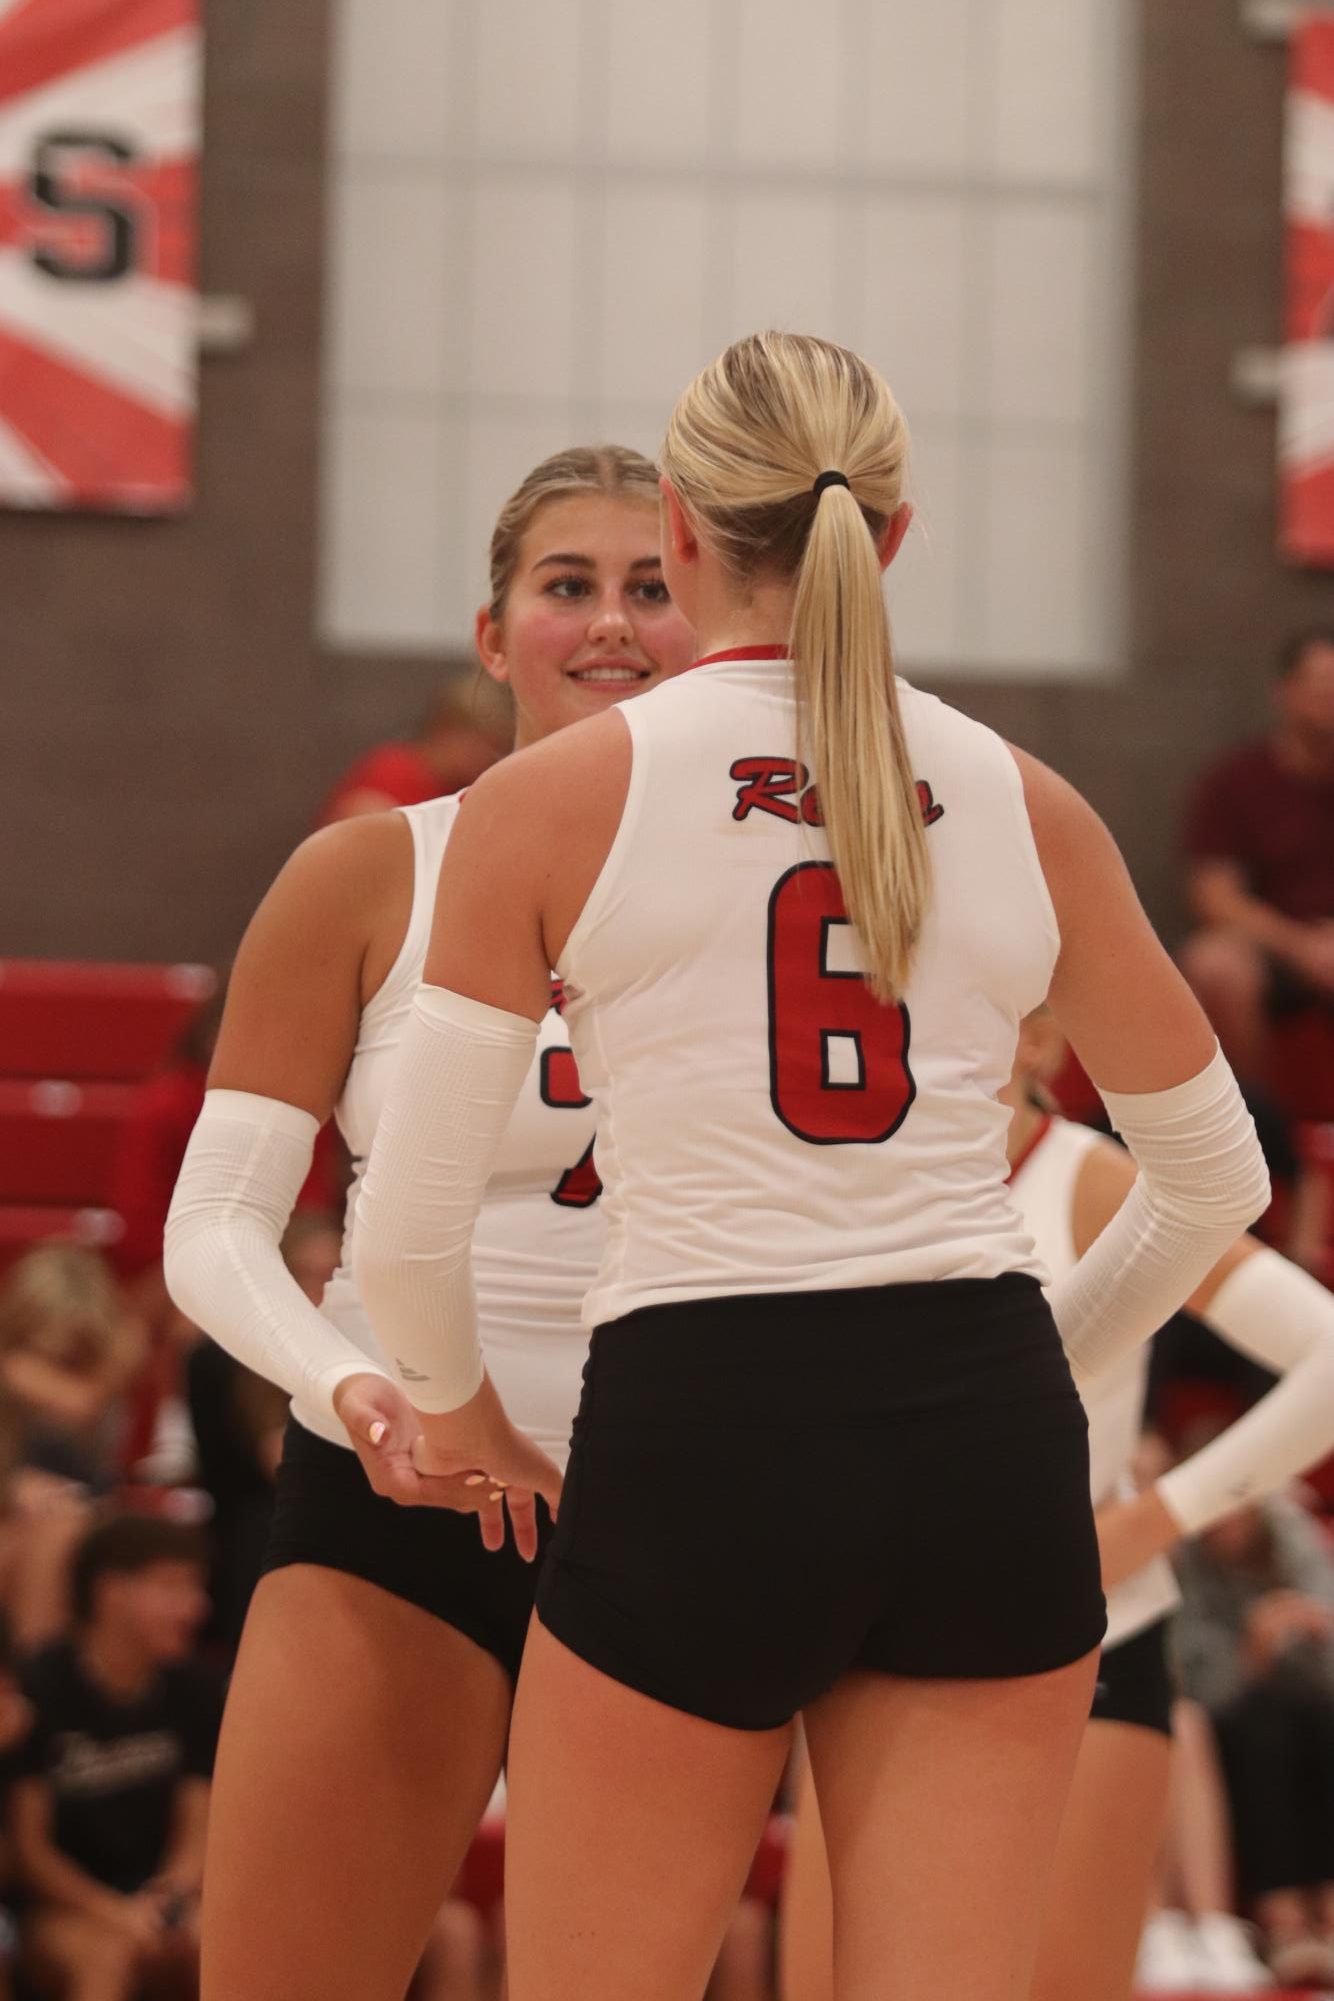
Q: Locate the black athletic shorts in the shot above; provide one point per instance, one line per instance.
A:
(1135, 1682)
(327, 1513)
(767, 1491)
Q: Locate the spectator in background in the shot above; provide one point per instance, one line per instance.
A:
(69, 1349)
(1255, 1649)
(456, 742)
(111, 1800)
(1260, 848)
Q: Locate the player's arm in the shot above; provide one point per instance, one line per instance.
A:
(293, 1007)
(531, 838)
(1146, 1043)
(1268, 1309)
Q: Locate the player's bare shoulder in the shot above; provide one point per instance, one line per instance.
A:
(558, 799)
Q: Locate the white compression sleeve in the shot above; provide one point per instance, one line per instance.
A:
(242, 1173)
(1202, 1180)
(460, 1068)
(1281, 1316)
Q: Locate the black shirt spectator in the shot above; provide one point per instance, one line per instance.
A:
(114, 1766)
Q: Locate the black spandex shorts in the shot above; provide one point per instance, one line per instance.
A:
(1135, 1682)
(767, 1491)
(327, 1513)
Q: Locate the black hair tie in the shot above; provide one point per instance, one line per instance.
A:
(830, 479)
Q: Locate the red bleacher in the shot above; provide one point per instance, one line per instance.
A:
(67, 1020)
(74, 1041)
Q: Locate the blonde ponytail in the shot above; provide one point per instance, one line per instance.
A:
(851, 735)
(745, 448)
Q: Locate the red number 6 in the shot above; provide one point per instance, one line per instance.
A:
(821, 1022)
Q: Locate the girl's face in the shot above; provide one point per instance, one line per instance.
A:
(588, 620)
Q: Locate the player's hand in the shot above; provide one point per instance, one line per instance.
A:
(383, 1428)
(504, 1469)
(1131, 1533)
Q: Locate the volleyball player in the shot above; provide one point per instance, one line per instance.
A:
(372, 1692)
(1069, 1183)
(829, 1456)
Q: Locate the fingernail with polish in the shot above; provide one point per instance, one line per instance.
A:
(378, 1430)
(474, 1480)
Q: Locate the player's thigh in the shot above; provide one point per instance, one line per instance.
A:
(361, 1742)
(941, 1803)
(631, 1827)
(1109, 1841)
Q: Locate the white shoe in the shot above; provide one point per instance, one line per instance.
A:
(1170, 1959)
(1227, 1957)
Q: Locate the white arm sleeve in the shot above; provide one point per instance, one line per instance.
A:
(1280, 1316)
(460, 1068)
(1202, 1180)
(242, 1172)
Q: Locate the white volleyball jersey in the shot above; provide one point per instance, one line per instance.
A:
(1044, 1183)
(765, 1125)
(539, 1235)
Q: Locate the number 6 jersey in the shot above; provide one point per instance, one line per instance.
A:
(539, 1234)
(764, 1124)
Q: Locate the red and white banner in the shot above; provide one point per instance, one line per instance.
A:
(99, 151)
(1306, 404)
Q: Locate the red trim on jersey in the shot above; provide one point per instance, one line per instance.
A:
(745, 653)
(1027, 1152)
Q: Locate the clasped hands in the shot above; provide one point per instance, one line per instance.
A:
(471, 1460)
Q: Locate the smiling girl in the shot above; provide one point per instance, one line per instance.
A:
(371, 1700)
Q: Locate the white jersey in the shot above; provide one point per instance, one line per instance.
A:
(800, 1135)
(539, 1235)
(1044, 1184)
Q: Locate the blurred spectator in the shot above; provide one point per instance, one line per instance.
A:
(69, 1349)
(1260, 846)
(238, 1421)
(1193, 1943)
(111, 1799)
(457, 741)
(1255, 1647)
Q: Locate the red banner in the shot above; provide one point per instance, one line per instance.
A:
(1306, 409)
(99, 149)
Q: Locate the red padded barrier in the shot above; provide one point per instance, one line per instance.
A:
(58, 1141)
(64, 1019)
(23, 1226)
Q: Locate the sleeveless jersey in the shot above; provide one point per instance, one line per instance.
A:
(765, 1125)
(539, 1234)
(1044, 1185)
